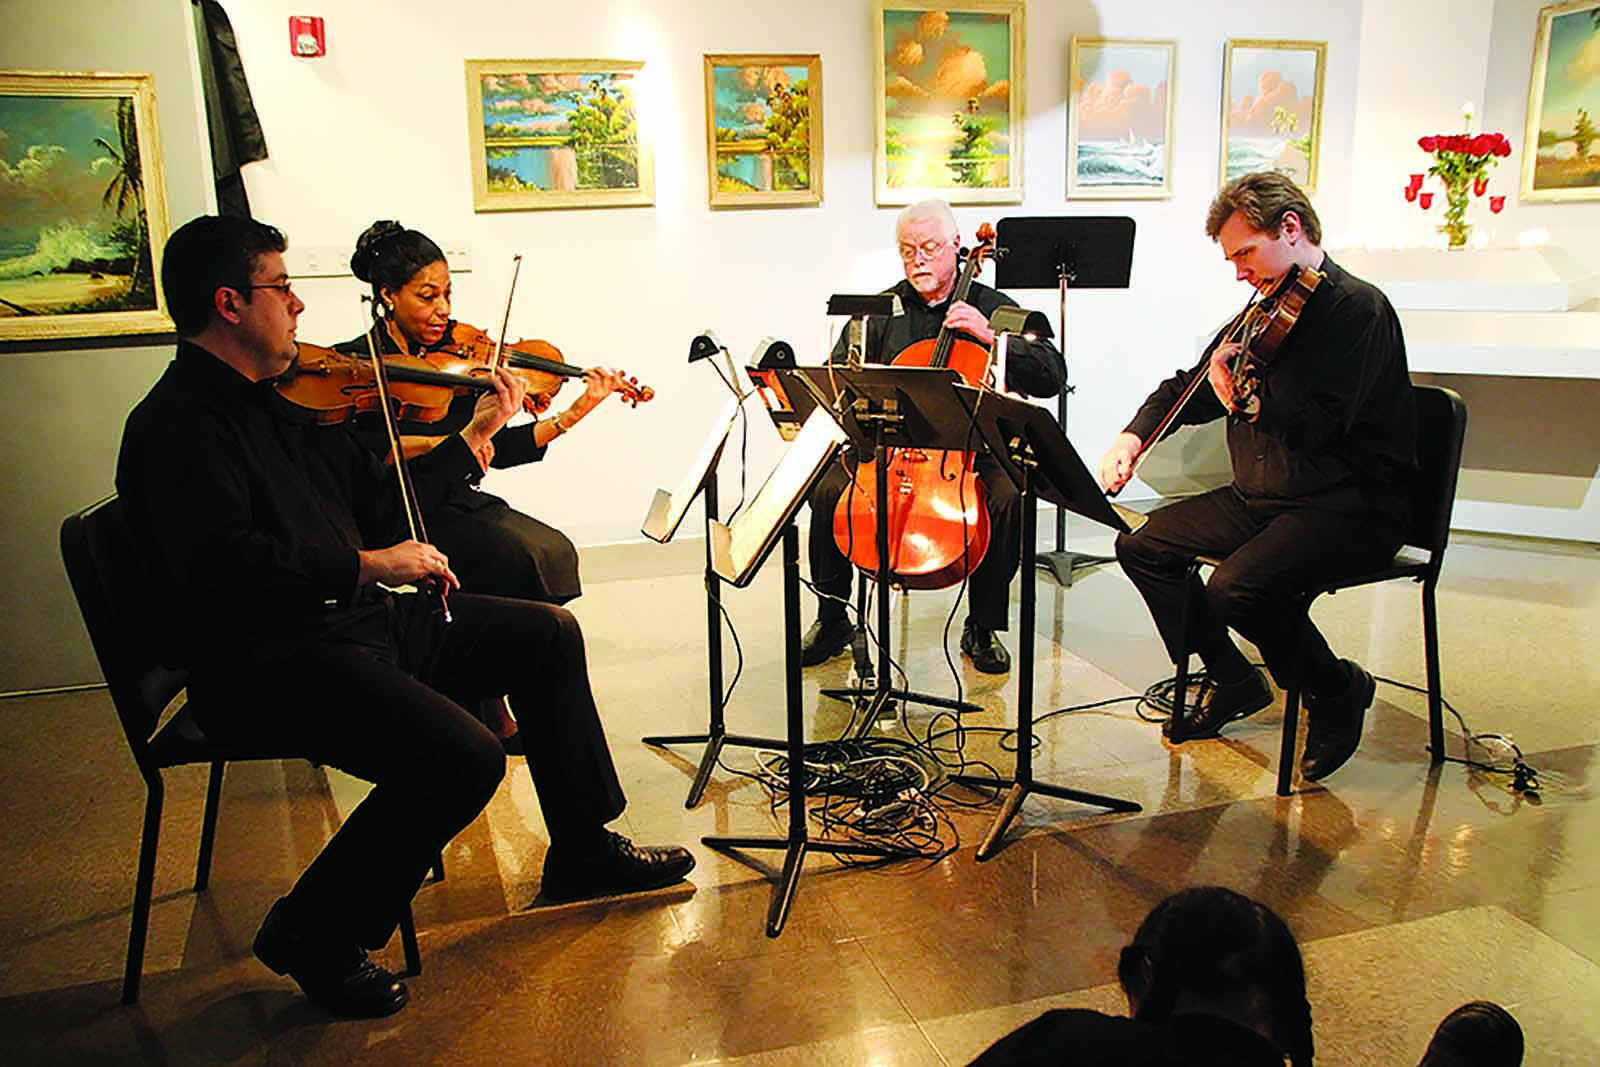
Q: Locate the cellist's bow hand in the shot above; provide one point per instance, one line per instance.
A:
(1220, 372)
(407, 563)
(494, 409)
(968, 319)
(1116, 466)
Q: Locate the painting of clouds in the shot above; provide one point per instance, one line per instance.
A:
(1272, 108)
(556, 134)
(950, 108)
(764, 130)
(83, 209)
(1119, 122)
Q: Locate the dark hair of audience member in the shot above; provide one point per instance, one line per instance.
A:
(209, 253)
(388, 255)
(1210, 947)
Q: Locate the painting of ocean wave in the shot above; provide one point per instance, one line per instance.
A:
(1119, 124)
(1113, 163)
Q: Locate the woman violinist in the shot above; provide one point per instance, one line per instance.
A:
(493, 548)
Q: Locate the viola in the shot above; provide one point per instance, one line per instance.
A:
(1260, 329)
(938, 524)
(1265, 326)
(330, 387)
(540, 364)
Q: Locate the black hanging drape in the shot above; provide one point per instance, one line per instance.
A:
(236, 136)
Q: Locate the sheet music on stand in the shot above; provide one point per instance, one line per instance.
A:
(739, 548)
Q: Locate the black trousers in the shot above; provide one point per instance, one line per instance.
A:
(496, 550)
(1274, 549)
(989, 585)
(367, 698)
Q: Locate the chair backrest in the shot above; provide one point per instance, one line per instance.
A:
(112, 582)
(1441, 430)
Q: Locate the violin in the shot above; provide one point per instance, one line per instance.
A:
(938, 522)
(540, 364)
(329, 387)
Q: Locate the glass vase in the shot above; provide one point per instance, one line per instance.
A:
(1456, 227)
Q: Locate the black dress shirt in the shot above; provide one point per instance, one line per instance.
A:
(1337, 425)
(1033, 368)
(255, 516)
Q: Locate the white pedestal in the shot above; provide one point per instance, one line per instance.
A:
(1517, 332)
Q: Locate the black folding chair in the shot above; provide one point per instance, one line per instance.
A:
(1441, 431)
(112, 584)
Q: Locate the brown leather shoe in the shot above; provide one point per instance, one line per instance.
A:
(1222, 704)
(1333, 725)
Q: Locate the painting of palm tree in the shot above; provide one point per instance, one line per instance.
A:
(83, 210)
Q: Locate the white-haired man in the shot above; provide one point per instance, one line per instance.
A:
(929, 244)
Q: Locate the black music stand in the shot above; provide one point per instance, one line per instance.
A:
(666, 512)
(741, 570)
(1057, 252)
(883, 407)
(1036, 455)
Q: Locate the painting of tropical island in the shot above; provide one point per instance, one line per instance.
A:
(1564, 163)
(556, 134)
(1120, 122)
(951, 97)
(1272, 109)
(764, 116)
(77, 229)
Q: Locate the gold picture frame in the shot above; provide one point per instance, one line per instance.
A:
(764, 130)
(557, 133)
(1120, 118)
(1268, 127)
(949, 112)
(1554, 95)
(84, 217)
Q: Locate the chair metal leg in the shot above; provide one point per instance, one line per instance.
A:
(1291, 728)
(1430, 648)
(1178, 731)
(143, 888)
(408, 943)
(208, 828)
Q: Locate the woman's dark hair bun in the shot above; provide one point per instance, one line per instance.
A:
(367, 246)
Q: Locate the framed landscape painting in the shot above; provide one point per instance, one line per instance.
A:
(1561, 151)
(764, 130)
(949, 83)
(83, 215)
(1272, 109)
(1119, 118)
(556, 133)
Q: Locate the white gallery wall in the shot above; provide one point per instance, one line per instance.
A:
(377, 129)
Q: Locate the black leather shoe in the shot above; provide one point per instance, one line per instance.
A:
(825, 640)
(1478, 1034)
(1223, 704)
(983, 646)
(618, 866)
(337, 979)
(1333, 725)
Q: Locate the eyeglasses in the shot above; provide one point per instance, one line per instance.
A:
(927, 249)
(286, 288)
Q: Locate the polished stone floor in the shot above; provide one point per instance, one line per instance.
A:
(1411, 889)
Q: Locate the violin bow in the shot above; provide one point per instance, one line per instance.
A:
(505, 321)
(408, 493)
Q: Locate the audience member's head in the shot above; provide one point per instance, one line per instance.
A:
(1478, 1034)
(1212, 951)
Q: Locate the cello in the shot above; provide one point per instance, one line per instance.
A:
(938, 522)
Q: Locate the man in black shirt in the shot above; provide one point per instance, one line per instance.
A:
(261, 526)
(929, 245)
(1323, 445)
